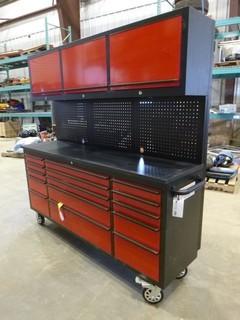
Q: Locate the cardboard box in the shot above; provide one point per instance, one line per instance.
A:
(219, 132)
(9, 129)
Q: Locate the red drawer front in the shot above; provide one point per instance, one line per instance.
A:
(39, 203)
(36, 165)
(135, 203)
(138, 258)
(37, 168)
(85, 175)
(93, 233)
(45, 73)
(158, 43)
(38, 161)
(142, 193)
(137, 232)
(97, 213)
(91, 197)
(38, 186)
(140, 217)
(84, 65)
(99, 190)
(35, 174)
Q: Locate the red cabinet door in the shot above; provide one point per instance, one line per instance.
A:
(45, 73)
(147, 56)
(85, 66)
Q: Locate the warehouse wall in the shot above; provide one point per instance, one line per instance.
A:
(102, 15)
(96, 16)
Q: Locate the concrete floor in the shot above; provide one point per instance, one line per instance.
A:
(48, 274)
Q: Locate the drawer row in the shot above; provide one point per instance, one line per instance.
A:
(87, 200)
(126, 250)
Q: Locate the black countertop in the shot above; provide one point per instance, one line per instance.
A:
(154, 171)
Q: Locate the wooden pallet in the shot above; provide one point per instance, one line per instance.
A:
(228, 63)
(11, 154)
(230, 186)
(39, 48)
(18, 53)
(10, 54)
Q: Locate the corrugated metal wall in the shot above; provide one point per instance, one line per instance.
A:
(102, 15)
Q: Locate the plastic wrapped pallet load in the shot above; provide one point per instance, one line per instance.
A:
(197, 4)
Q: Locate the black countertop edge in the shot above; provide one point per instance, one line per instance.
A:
(120, 173)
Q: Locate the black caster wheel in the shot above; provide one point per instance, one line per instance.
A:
(152, 295)
(40, 219)
(182, 274)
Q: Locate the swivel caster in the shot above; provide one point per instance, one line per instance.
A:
(182, 274)
(151, 293)
(40, 219)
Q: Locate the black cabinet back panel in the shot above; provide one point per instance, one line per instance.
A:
(169, 127)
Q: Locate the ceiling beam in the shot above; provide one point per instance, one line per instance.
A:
(69, 15)
(4, 3)
(27, 16)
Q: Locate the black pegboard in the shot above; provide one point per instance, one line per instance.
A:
(170, 128)
(112, 124)
(71, 121)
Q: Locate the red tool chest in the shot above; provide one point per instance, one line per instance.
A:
(104, 220)
(46, 73)
(85, 66)
(127, 171)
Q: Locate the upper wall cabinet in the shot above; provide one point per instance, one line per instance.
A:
(45, 73)
(166, 55)
(147, 56)
(85, 66)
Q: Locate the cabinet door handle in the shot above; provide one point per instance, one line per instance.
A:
(60, 212)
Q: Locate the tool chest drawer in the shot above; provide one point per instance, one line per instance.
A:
(32, 166)
(138, 232)
(78, 173)
(134, 190)
(79, 192)
(139, 216)
(93, 233)
(39, 203)
(36, 160)
(38, 186)
(38, 175)
(87, 208)
(136, 203)
(137, 257)
(88, 186)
